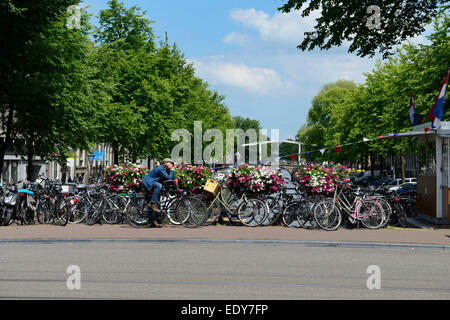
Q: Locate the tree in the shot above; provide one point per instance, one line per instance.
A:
(49, 96)
(343, 113)
(154, 90)
(348, 21)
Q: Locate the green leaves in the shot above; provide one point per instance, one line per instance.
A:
(343, 113)
(348, 19)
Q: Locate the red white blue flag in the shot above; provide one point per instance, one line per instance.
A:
(415, 119)
(438, 108)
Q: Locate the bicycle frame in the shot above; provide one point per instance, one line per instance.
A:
(221, 200)
(351, 209)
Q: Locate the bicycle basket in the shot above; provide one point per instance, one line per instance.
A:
(211, 188)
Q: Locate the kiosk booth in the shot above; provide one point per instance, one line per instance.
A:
(433, 181)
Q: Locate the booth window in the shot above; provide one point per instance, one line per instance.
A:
(427, 158)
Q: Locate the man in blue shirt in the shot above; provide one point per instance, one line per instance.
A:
(153, 178)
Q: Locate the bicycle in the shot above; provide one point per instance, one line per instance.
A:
(277, 204)
(328, 214)
(248, 209)
(302, 211)
(174, 204)
(54, 205)
(107, 208)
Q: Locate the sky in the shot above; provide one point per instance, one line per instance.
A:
(246, 51)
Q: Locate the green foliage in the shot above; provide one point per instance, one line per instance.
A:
(154, 90)
(346, 20)
(345, 113)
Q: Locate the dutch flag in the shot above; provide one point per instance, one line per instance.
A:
(415, 119)
(438, 108)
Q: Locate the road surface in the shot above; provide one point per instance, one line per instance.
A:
(215, 270)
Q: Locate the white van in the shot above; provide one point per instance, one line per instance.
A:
(397, 182)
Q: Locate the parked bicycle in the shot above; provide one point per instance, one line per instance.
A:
(328, 213)
(175, 206)
(226, 205)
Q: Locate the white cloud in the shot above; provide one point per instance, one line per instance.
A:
(236, 38)
(312, 69)
(281, 27)
(254, 80)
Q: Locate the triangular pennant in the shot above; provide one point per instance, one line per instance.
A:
(426, 129)
(365, 140)
(292, 157)
(338, 148)
(322, 151)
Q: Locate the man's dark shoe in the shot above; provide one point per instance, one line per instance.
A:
(154, 208)
(157, 224)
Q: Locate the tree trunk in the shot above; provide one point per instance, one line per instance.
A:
(366, 162)
(7, 141)
(382, 175)
(115, 153)
(30, 167)
(372, 165)
(395, 166)
(64, 171)
(403, 168)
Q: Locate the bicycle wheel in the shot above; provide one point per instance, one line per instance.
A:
(252, 212)
(79, 211)
(274, 211)
(305, 214)
(25, 213)
(213, 210)
(370, 213)
(191, 212)
(95, 213)
(387, 210)
(327, 215)
(136, 214)
(44, 212)
(399, 216)
(110, 212)
(63, 213)
(290, 215)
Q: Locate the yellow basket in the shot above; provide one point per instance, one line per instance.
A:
(211, 188)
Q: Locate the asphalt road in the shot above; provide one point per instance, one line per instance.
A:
(153, 270)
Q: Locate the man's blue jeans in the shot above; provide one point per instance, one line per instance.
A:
(156, 186)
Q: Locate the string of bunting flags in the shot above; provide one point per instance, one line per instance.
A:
(337, 149)
(435, 116)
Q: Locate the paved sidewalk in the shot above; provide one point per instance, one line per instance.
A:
(81, 231)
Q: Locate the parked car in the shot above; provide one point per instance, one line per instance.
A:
(366, 181)
(381, 182)
(404, 186)
(364, 176)
(398, 181)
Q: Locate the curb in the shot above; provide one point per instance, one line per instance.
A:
(340, 244)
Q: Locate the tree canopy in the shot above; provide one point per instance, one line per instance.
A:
(358, 22)
(343, 112)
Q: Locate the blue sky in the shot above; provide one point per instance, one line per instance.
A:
(246, 50)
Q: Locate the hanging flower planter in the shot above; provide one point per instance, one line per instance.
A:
(254, 180)
(317, 179)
